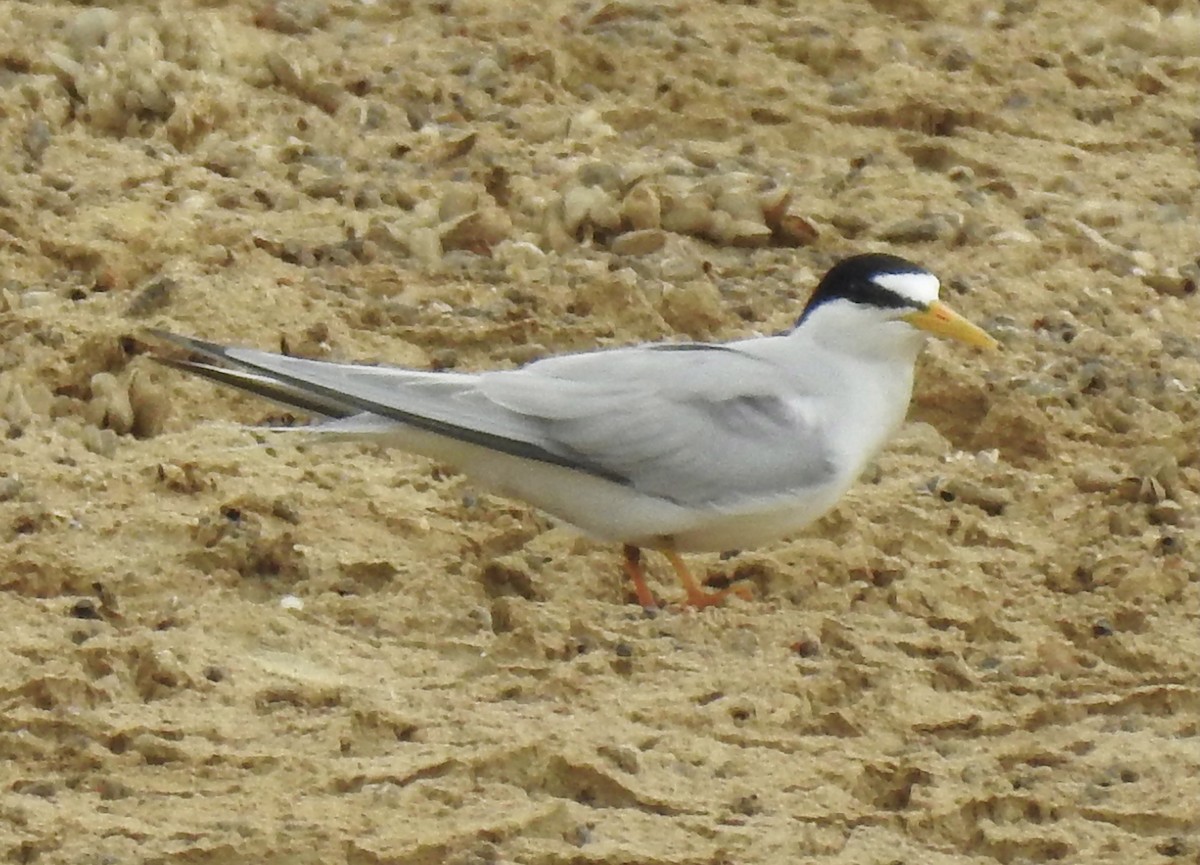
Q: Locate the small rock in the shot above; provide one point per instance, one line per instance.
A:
(487, 75)
(956, 58)
(740, 202)
(477, 232)
(1168, 513)
(641, 209)
(639, 242)
(85, 608)
(693, 214)
(1091, 479)
(1170, 282)
(731, 231)
(425, 245)
(36, 139)
(292, 16)
(10, 487)
(923, 229)
(847, 93)
(624, 757)
(291, 602)
(703, 154)
(589, 126)
(153, 297)
(586, 207)
(458, 199)
(991, 500)
(102, 442)
(606, 175)
(149, 404)
(17, 410)
(794, 229)
(89, 29)
(109, 407)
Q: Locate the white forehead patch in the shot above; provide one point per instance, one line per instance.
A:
(921, 287)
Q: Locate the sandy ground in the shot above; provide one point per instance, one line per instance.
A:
(216, 651)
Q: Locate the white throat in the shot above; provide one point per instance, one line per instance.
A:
(865, 332)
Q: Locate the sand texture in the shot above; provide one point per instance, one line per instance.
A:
(221, 646)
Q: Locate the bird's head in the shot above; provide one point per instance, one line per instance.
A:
(881, 298)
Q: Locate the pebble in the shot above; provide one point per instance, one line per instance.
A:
(66, 70)
(1168, 513)
(1170, 282)
(589, 126)
(741, 203)
(603, 174)
(639, 242)
(36, 139)
(303, 83)
(153, 297)
(518, 256)
(102, 442)
(486, 75)
(692, 214)
(89, 29)
(477, 231)
(922, 229)
(109, 406)
(704, 154)
(425, 245)
(587, 207)
(291, 602)
(641, 209)
(458, 199)
(150, 404)
(624, 757)
(10, 487)
(991, 500)
(956, 58)
(847, 93)
(795, 229)
(17, 410)
(292, 16)
(732, 231)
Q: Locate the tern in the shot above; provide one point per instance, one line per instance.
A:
(670, 446)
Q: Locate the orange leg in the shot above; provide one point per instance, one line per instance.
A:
(696, 596)
(633, 567)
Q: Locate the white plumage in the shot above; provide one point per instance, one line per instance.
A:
(677, 447)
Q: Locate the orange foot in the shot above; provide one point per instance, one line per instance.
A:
(697, 598)
(633, 567)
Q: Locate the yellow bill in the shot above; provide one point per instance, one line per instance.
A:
(941, 320)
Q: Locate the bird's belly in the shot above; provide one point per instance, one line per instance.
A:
(617, 513)
(758, 524)
(612, 512)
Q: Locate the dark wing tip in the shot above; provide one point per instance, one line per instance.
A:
(211, 360)
(190, 344)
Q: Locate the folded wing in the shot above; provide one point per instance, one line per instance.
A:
(694, 424)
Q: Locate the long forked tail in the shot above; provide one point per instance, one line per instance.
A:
(213, 361)
(362, 400)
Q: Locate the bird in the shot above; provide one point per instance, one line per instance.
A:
(677, 447)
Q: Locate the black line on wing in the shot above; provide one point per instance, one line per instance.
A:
(272, 390)
(689, 346)
(331, 396)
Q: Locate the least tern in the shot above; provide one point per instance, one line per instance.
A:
(675, 446)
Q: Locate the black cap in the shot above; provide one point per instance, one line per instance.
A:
(856, 279)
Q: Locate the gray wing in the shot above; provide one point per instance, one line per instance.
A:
(361, 399)
(696, 424)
